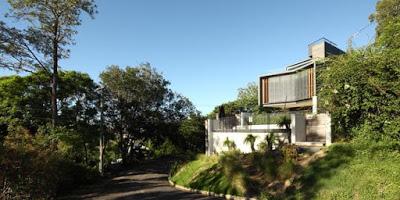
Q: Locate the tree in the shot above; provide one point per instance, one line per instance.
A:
(192, 131)
(250, 139)
(248, 97)
(138, 102)
(361, 89)
(50, 30)
(247, 100)
(284, 121)
(387, 17)
(25, 103)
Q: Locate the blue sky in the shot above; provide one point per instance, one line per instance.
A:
(208, 49)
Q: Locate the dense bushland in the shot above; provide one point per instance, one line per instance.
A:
(361, 89)
(41, 166)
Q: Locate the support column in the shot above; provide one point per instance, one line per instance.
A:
(298, 127)
(209, 137)
(328, 132)
(314, 105)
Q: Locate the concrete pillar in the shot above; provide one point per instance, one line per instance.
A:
(244, 118)
(209, 137)
(328, 132)
(298, 127)
(314, 105)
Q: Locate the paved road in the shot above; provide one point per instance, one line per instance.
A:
(146, 182)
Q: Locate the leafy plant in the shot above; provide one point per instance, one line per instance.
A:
(270, 141)
(250, 139)
(284, 121)
(230, 144)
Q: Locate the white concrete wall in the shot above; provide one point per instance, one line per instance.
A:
(298, 127)
(320, 125)
(218, 138)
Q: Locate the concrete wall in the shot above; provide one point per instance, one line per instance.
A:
(298, 127)
(318, 128)
(304, 128)
(216, 144)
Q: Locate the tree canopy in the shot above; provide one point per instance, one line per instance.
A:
(361, 89)
(48, 32)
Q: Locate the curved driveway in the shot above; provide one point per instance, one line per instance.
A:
(147, 181)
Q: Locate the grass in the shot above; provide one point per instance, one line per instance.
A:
(352, 171)
(205, 173)
(348, 171)
(233, 173)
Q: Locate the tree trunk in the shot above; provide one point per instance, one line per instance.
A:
(54, 77)
(54, 95)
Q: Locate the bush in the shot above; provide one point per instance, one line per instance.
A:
(167, 148)
(361, 91)
(229, 144)
(289, 152)
(34, 167)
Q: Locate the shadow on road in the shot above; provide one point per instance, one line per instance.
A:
(146, 181)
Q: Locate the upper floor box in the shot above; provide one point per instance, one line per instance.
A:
(296, 87)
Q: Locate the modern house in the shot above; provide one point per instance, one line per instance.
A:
(296, 88)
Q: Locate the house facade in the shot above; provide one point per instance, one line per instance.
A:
(296, 87)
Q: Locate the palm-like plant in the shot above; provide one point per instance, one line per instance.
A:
(284, 122)
(230, 144)
(251, 139)
(270, 141)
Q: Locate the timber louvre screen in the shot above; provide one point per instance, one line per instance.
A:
(290, 87)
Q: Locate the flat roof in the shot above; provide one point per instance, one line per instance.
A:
(292, 68)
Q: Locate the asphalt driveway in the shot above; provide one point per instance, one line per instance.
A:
(146, 181)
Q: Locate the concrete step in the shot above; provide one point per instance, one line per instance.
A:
(310, 144)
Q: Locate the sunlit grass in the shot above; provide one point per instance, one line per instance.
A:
(220, 175)
(353, 172)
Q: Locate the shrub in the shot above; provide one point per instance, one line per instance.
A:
(262, 147)
(250, 139)
(230, 144)
(167, 148)
(361, 91)
(286, 169)
(289, 152)
(34, 167)
(232, 168)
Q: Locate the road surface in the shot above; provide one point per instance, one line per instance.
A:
(147, 181)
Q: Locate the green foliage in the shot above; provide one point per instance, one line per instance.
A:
(229, 144)
(236, 173)
(262, 146)
(217, 174)
(143, 108)
(38, 167)
(167, 148)
(360, 89)
(50, 27)
(25, 101)
(192, 132)
(387, 17)
(247, 100)
(250, 139)
(270, 141)
(283, 121)
(266, 118)
(289, 152)
(247, 97)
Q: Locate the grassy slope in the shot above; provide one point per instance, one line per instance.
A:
(347, 172)
(353, 172)
(204, 174)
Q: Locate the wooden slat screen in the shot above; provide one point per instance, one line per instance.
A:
(287, 87)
